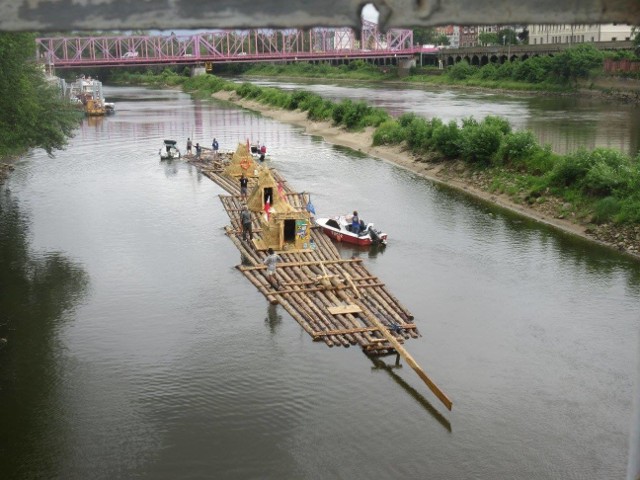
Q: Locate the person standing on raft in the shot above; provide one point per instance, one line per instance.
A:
(271, 261)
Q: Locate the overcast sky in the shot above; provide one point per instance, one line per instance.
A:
(370, 13)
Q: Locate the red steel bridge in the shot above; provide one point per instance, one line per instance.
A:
(225, 46)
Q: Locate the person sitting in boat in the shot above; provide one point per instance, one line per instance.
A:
(263, 153)
(355, 223)
(363, 227)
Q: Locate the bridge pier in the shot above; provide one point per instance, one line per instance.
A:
(405, 65)
(198, 70)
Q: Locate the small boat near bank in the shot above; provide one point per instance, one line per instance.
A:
(169, 150)
(339, 228)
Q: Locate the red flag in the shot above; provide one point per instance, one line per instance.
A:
(267, 207)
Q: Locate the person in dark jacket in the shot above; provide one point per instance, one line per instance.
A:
(245, 218)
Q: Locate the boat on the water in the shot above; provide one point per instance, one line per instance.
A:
(259, 152)
(339, 228)
(169, 151)
(88, 91)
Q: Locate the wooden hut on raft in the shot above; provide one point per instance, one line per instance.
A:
(242, 162)
(283, 227)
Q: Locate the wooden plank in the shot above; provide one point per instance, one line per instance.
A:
(340, 309)
(301, 264)
(322, 289)
(353, 285)
(346, 331)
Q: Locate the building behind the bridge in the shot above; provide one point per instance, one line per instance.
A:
(540, 34)
(581, 33)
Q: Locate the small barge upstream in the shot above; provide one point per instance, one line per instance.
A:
(335, 300)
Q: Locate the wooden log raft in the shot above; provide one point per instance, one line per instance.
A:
(335, 300)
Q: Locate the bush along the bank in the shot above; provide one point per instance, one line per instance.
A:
(602, 185)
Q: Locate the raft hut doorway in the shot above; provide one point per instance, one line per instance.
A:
(289, 230)
(267, 195)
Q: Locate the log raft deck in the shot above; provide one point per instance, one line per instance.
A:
(335, 300)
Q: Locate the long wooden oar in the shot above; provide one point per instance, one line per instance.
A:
(410, 360)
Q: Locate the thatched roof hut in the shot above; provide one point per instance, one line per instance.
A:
(282, 227)
(267, 189)
(242, 161)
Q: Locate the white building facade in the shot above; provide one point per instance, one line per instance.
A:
(580, 33)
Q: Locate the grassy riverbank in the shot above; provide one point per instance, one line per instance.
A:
(593, 193)
(462, 75)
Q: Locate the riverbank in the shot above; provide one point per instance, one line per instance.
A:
(5, 170)
(456, 175)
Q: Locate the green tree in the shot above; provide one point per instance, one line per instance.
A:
(576, 62)
(441, 39)
(424, 36)
(34, 115)
(488, 38)
(507, 36)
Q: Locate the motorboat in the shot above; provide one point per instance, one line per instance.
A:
(259, 152)
(169, 151)
(339, 228)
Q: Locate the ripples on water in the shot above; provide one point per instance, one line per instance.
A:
(165, 362)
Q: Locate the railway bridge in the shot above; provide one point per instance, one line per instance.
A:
(395, 46)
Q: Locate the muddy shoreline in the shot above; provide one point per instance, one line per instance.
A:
(625, 239)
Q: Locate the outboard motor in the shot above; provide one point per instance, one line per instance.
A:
(375, 236)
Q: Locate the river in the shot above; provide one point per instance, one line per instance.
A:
(136, 349)
(566, 123)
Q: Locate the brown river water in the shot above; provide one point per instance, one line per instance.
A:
(136, 349)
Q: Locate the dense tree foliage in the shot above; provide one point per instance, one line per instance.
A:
(424, 36)
(33, 113)
(488, 38)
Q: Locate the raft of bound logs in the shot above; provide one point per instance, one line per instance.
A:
(335, 300)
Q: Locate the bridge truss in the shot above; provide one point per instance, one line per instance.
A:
(225, 46)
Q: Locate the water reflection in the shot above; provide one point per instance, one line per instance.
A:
(273, 318)
(500, 234)
(348, 250)
(37, 293)
(170, 167)
(380, 364)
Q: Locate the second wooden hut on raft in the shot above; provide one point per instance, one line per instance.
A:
(282, 226)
